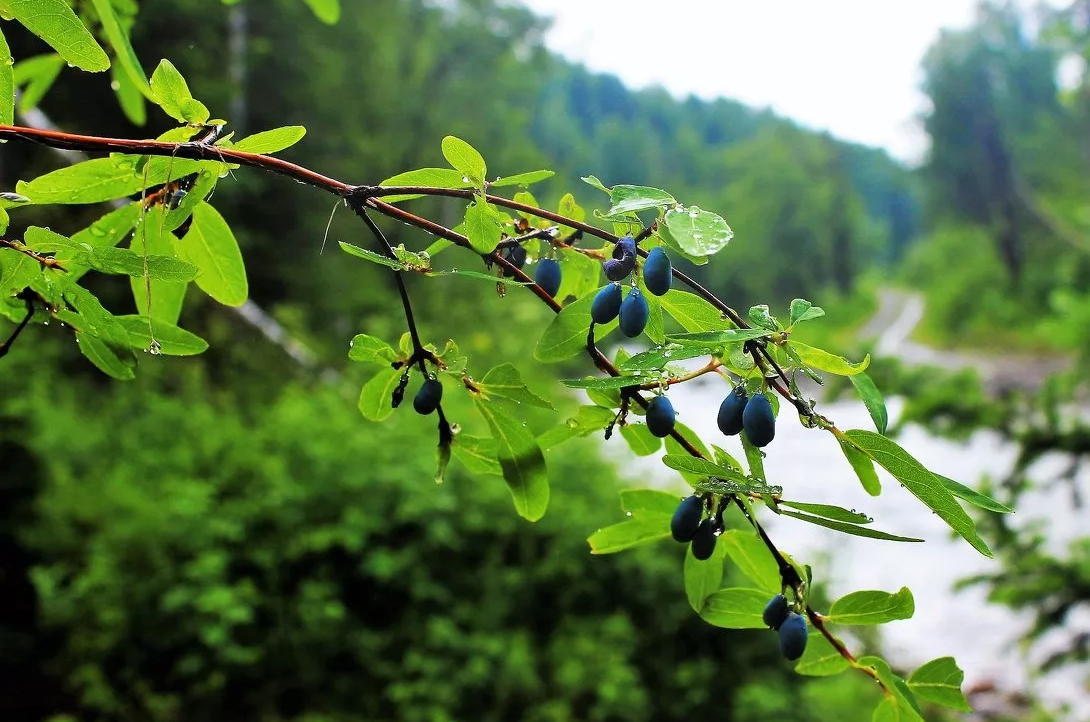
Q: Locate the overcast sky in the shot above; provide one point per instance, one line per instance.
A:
(847, 66)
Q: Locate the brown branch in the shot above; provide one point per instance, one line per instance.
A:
(370, 196)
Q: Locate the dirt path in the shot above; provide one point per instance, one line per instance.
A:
(899, 313)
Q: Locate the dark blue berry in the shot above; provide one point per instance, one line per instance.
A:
(428, 397)
(704, 540)
(548, 275)
(657, 272)
(686, 519)
(634, 312)
(660, 416)
(618, 270)
(607, 304)
(730, 411)
(758, 421)
(625, 248)
(793, 636)
(775, 612)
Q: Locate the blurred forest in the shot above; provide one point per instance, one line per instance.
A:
(227, 539)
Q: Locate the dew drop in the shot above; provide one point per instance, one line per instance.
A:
(155, 349)
(628, 513)
(114, 85)
(465, 179)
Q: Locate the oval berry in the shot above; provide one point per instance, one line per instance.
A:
(660, 416)
(625, 248)
(607, 304)
(428, 397)
(548, 275)
(775, 612)
(619, 270)
(657, 272)
(758, 421)
(793, 636)
(634, 312)
(730, 411)
(686, 519)
(704, 540)
(517, 256)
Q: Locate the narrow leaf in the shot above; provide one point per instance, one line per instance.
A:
(736, 608)
(211, 246)
(7, 84)
(702, 578)
(173, 341)
(719, 338)
(863, 466)
(924, 485)
(104, 358)
(630, 533)
(272, 141)
(852, 529)
(521, 460)
(54, 22)
(119, 41)
(973, 496)
(830, 363)
(872, 399)
(828, 511)
(872, 607)
(328, 11)
(522, 179)
(505, 382)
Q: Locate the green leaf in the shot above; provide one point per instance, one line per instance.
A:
(505, 382)
(173, 341)
(825, 361)
(371, 256)
(674, 448)
(821, 658)
(376, 396)
(167, 296)
(426, 177)
(521, 460)
(752, 557)
(595, 183)
(630, 199)
(482, 226)
(465, 159)
(939, 681)
(828, 511)
(272, 141)
(7, 84)
(852, 529)
(863, 466)
(630, 533)
(129, 97)
(104, 358)
(54, 22)
(718, 338)
(702, 578)
(653, 501)
(566, 335)
(872, 399)
(37, 75)
(696, 232)
(872, 607)
(760, 316)
(107, 259)
(587, 420)
(119, 41)
(579, 274)
(604, 382)
(907, 707)
(888, 710)
(211, 246)
(703, 467)
(656, 358)
(924, 485)
(736, 608)
(368, 349)
(92, 181)
(17, 271)
(328, 11)
(522, 179)
(93, 318)
(640, 440)
(477, 454)
(803, 310)
(693, 313)
(973, 496)
(172, 95)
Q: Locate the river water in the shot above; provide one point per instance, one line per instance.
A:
(808, 464)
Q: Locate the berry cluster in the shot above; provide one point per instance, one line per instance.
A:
(754, 415)
(688, 527)
(632, 309)
(790, 625)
